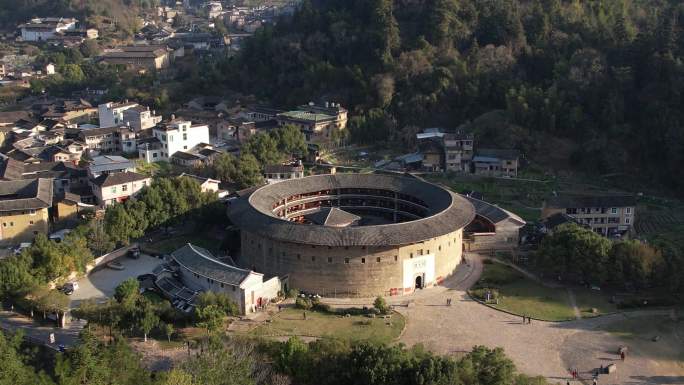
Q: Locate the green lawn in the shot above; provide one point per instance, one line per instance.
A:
(290, 322)
(169, 245)
(520, 295)
(587, 299)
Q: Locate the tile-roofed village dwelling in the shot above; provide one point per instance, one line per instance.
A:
(41, 29)
(24, 206)
(68, 206)
(171, 137)
(206, 184)
(316, 122)
(493, 228)
(279, 172)
(118, 187)
(140, 57)
(64, 175)
(199, 270)
(496, 162)
(609, 215)
(68, 111)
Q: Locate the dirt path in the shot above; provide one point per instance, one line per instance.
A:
(573, 303)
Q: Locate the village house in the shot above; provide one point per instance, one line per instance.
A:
(171, 137)
(140, 57)
(193, 269)
(112, 114)
(458, 149)
(318, 123)
(277, 172)
(41, 29)
(206, 184)
(110, 188)
(108, 164)
(24, 206)
(495, 162)
(608, 215)
(101, 139)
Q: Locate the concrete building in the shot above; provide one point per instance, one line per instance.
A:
(316, 122)
(118, 187)
(112, 114)
(101, 139)
(609, 215)
(42, 29)
(495, 162)
(408, 235)
(140, 118)
(108, 164)
(172, 137)
(458, 149)
(24, 206)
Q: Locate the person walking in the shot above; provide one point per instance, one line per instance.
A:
(622, 355)
(304, 316)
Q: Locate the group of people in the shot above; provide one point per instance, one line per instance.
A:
(575, 373)
(526, 320)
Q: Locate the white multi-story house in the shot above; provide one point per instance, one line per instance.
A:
(140, 118)
(176, 135)
(112, 114)
(118, 187)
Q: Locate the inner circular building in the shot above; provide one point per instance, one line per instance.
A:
(353, 234)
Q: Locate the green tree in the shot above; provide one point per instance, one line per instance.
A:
(128, 292)
(248, 171)
(210, 318)
(290, 140)
(381, 305)
(13, 367)
(168, 330)
(575, 250)
(118, 224)
(145, 316)
(264, 148)
(225, 168)
(98, 239)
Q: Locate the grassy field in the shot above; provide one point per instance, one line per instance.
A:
(166, 246)
(290, 322)
(523, 296)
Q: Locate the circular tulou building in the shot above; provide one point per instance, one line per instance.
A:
(353, 234)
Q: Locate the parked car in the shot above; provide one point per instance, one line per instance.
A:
(114, 265)
(145, 277)
(21, 246)
(134, 253)
(70, 287)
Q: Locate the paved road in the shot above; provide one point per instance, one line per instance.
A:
(40, 332)
(101, 284)
(541, 348)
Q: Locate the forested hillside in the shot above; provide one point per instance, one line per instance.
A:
(605, 75)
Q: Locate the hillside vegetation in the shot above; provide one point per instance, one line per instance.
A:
(604, 75)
